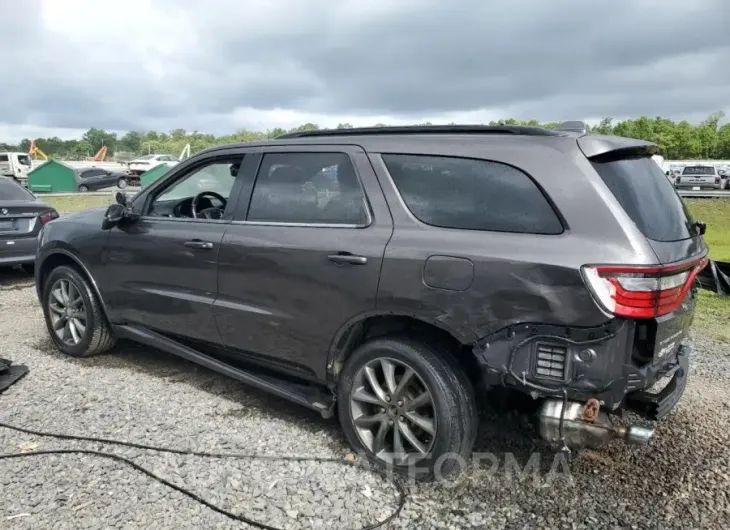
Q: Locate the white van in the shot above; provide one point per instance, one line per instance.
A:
(16, 166)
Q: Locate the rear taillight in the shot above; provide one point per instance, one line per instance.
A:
(642, 291)
(678, 180)
(717, 180)
(48, 216)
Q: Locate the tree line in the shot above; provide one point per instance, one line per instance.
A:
(678, 140)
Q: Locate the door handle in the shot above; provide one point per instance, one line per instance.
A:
(346, 257)
(199, 245)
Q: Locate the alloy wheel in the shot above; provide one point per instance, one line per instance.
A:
(393, 411)
(67, 312)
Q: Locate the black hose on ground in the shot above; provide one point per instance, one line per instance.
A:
(197, 498)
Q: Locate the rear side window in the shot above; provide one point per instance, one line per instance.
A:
(471, 194)
(11, 191)
(648, 197)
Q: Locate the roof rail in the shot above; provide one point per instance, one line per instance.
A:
(573, 126)
(425, 129)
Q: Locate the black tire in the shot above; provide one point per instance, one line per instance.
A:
(97, 337)
(453, 400)
(122, 183)
(83, 188)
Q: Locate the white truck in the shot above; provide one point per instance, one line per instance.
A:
(16, 165)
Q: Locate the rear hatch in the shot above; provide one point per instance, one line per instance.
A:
(659, 297)
(652, 203)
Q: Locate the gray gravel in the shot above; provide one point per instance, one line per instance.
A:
(681, 480)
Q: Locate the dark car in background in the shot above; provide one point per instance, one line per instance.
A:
(94, 178)
(21, 217)
(381, 274)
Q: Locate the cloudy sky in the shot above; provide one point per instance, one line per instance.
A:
(221, 65)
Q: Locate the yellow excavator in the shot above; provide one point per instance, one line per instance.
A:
(36, 153)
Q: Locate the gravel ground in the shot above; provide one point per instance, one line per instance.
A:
(680, 481)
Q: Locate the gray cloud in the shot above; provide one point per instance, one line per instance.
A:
(412, 59)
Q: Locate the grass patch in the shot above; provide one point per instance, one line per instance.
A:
(713, 311)
(716, 213)
(78, 202)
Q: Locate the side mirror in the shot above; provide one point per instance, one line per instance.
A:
(114, 215)
(119, 212)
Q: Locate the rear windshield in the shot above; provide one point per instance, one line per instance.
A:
(647, 196)
(11, 191)
(699, 170)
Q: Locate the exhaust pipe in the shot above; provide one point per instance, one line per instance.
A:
(578, 425)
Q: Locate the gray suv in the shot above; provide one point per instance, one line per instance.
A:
(385, 274)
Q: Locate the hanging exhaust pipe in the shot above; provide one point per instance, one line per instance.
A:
(578, 425)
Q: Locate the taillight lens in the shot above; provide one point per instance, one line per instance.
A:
(48, 216)
(678, 180)
(641, 291)
(717, 180)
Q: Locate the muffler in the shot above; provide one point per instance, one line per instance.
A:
(584, 425)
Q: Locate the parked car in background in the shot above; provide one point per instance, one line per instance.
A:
(94, 178)
(699, 177)
(724, 172)
(147, 162)
(380, 274)
(21, 217)
(16, 166)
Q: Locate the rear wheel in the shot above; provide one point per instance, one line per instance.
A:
(407, 407)
(122, 183)
(83, 188)
(73, 314)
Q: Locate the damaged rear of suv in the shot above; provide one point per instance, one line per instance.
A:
(381, 274)
(565, 262)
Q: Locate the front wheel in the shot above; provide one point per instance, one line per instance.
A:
(73, 314)
(407, 407)
(83, 189)
(122, 183)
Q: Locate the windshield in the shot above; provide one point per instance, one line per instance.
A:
(11, 191)
(147, 157)
(699, 170)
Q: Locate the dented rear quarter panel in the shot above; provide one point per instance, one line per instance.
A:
(516, 277)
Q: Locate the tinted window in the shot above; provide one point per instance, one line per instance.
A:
(308, 188)
(11, 191)
(647, 196)
(3, 158)
(91, 173)
(471, 194)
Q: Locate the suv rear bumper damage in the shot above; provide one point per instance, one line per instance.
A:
(656, 405)
(567, 367)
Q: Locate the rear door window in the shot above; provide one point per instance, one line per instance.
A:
(471, 194)
(647, 196)
(308, 188)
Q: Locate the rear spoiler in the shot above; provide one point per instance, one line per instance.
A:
(596, 146)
